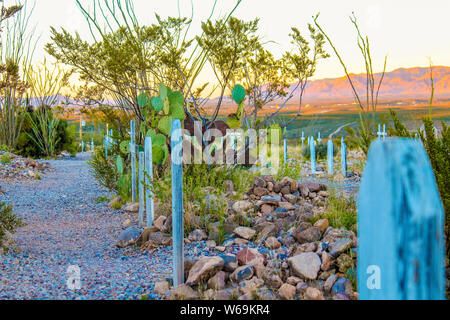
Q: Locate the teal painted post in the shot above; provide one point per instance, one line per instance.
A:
(379, 133)
(343, 157)
(133, 160)
(177, 204)
(92, 144)
(319, 139)
(400, 225)
(285, 151)
(330, 157)
(313, 156)
(303, 140)
(141, 188)
(149, 202)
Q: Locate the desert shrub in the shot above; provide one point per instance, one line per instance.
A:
(9, 222)
(340, 212)
(27, 146)
(321, 151)
(6, 158)
(103, 170)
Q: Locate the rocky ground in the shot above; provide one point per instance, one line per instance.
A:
(13, 167)
(279, 255)
(272, 251)
(65, 226)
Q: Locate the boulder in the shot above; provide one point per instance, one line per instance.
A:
(287, 292)
(128, 237)
(327, 261)
(183, 292)
(242, 273)
(305, 265)
(340, 246)
(245, 233)
(197, 235)
(230, 262)
(309, 235)
(249, 256)
(218, 281)
(313, 294)
(159, 222)
(329, 283)
(272, 243)
(131, 207)
(204, 269)
(260, 192)
(162, 287)
(322, 224)
(242, 206)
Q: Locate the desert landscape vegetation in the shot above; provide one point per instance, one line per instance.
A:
(303, 185)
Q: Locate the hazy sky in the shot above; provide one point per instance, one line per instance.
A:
(409, 31)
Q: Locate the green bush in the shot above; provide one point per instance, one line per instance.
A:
(27, 147)
(9, 222)
(340, 212)
(6, 158)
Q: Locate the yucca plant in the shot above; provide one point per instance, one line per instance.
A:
(44, 130)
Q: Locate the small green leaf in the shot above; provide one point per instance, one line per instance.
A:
(239, 94)
(159, 140)
(157, 104)
(165, 125)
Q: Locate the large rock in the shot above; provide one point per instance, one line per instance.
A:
(242, 273)
(272, 243)
(197, 235)
(245, 233)
(204, 269)
(162, 287)
(159, 222)
(287, 292)
(340, 246)
(128, 237)
(313, 294)
(260, 192)
(131, 207)
(183, 292)
(242, 206)
(230, 262)
(250, 256)
(305, 265)
(218, 281)
(322, 224)
(309, 235)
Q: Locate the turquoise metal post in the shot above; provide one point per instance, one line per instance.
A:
(285, 151)
(303, 140)
(330, 157)
(177, 203)
(400, 225)
(149, 202)
(133, 160)
(313, 156)
(92, 144)
(319, 139)
(141, 188)
(344, 157)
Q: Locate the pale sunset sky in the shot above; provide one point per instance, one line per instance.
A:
(408, 31)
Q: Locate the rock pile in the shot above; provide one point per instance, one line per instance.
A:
(279, 254)
(16, 167)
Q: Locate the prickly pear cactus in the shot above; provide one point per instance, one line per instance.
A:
(159, 111)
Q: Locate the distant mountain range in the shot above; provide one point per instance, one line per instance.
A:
(400, 84)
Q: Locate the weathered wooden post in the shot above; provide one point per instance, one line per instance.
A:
(303, 140)
(343, 157)
(133, 160)
(330, 157)
(177, 203)
(149, 202)
(313, 156)
(141, 188)
(400, 225)
(285, 151)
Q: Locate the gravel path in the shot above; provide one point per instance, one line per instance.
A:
(65, 226)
